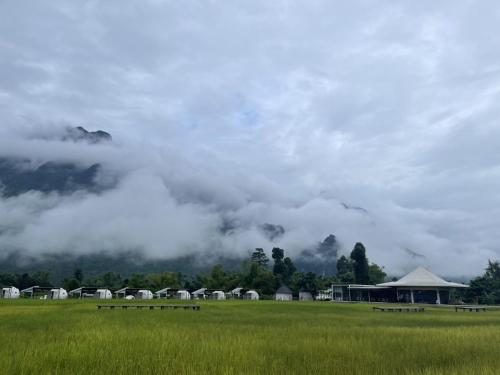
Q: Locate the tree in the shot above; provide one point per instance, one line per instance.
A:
(217, 277)
(486, 288)
(308, 281)
(360, 264)
(159, 281)
(283, 267)
(289, 270)
(138, 280)
(25, 281)
(42, 278)
(279, 266)
(259, 257)
(343, 265)
(8, 280)
(70, 284)
(111, 280)
(376, 274)
(78, 275)
(259, 278)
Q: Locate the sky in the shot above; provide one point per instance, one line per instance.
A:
(253, 112)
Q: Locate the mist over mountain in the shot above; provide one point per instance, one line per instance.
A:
(21, 175)
(322, 259)
(375, 124)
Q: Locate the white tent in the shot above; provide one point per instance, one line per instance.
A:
(218, 295)
(252, 295)
(58, 293)
(236, 293)
(200, 293)
(144, 294)
(183, 295)
(164, 293)
(103, 294)
(10, 293)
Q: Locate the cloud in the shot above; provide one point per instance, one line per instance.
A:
(260, 112)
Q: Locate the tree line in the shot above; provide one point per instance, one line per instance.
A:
(260, 273)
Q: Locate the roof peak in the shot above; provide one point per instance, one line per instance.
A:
(421, 276)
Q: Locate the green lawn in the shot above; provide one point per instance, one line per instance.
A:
(261, 337)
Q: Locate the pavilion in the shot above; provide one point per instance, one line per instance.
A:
(422, 286)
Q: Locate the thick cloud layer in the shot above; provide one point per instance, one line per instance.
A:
(259, 112)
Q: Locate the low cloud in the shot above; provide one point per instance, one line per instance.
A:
(258, 113)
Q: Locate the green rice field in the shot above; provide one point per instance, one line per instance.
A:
(244, 337)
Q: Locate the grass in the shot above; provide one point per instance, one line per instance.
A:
(244, 337)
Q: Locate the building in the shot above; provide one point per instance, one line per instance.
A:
(422, 286)
(360, 293)
(419, 286)
(10, 293)
(284, 293)
(305, 295)
(251, 295)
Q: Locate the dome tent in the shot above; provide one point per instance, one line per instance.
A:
(251, 295)
(10, 293)
(144, 294)
(103, 294)
(183, 295)
(57, 293)
(218, 295)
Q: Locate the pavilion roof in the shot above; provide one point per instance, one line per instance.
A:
(422, 277)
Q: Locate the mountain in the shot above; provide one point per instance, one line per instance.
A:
(18, 176)
(126, 263)
(272, 231)
(79, 134)
(322, 259)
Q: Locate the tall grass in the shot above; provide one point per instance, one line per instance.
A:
(233, 337)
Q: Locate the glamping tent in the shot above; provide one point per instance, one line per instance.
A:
(284, 293)
(10, 293)
(200, 293)
(218, 295)
(236, 293)
(144, 294)
(251, 295)
(36, 292)
(127, 292)
(103, 294)
(305, 295)
(57, 293)
(183, 295)
(422, 286)
(165, 293)
(90, 292)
